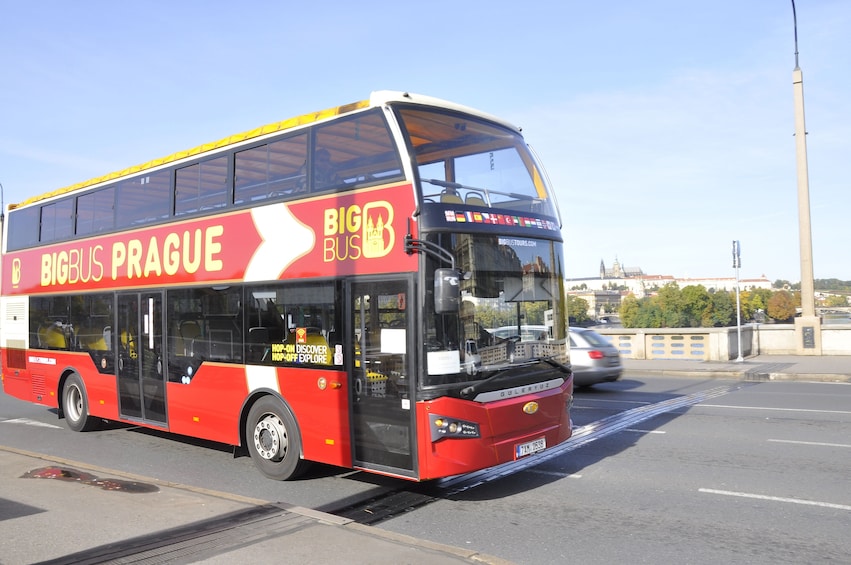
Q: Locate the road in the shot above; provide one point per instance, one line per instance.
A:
(758, 474)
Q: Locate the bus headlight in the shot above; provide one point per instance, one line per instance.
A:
(444, 427)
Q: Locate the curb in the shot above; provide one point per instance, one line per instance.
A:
(742, 375)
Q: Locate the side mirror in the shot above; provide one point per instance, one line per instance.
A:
(447, 291)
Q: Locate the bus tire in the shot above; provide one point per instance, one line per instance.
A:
(273, 439)
(75, 405)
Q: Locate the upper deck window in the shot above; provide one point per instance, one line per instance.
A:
(57, 220)
(464, 160)
(271, 170)
(354, 151)
(144, 199)
(202, 186)
(96, 211)
(23, 227)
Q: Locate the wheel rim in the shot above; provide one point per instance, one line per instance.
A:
(270, 438)
(74, 403)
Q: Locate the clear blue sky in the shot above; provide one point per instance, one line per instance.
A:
(665, 125)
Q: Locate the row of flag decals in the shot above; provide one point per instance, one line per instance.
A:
(500, 219)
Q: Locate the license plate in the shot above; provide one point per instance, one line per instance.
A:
(524, 449)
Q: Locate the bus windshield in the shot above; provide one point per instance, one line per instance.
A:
(462, 160)
(510, 317)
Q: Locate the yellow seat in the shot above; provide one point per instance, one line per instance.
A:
(450, 197)
(476, 200)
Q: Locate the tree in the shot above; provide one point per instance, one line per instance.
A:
(577, 309)
(629, 311)
(697, 305)
(781, 306)
(671, 307)
(759, 299)
(723, 310)
(835, 300)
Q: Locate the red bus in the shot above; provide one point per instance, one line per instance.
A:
(322, 289)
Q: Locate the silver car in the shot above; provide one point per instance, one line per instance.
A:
(593, 358)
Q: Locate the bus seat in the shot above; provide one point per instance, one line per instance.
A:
(476, 199)
(91, 339)
(189, 329)
(52, 336)
(449, 196)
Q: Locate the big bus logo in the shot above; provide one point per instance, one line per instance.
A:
(16, 271)
(352, 232)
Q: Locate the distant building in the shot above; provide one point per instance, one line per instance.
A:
(618, 272)
(620, 281)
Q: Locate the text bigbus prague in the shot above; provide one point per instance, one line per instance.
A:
(327, 288)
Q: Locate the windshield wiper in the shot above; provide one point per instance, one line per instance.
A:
(469, 391)
(553, 363)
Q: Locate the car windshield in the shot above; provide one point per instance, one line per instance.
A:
(510, 317)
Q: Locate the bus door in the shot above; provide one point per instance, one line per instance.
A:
(381, 406)
(138, 343)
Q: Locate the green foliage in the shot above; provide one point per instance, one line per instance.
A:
(835, 300)
(535, 312)
(723, 310)
(832, 284)
(629, 311)
(697, 306)
(577, 309)
(694, 306)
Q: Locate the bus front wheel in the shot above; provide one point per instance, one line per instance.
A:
(75, 405)
(273, 440)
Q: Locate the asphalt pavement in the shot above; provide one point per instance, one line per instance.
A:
(60, 511)
(823, 368)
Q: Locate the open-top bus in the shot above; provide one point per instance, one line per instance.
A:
(318, 289)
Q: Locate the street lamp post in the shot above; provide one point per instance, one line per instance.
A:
(737, 264)
(808, 325)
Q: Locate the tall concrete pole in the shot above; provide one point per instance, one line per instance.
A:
(808, 325)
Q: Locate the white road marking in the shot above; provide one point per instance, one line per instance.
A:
(637, 431)
(776, 498)
(776, 409)
(28, 422)
(818, 443)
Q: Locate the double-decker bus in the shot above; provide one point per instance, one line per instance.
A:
(322, 289)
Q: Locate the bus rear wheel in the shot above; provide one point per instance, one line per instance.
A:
(273, 440)
(75, 405)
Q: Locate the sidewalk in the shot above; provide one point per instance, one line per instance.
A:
(823, 368)
(66, 512)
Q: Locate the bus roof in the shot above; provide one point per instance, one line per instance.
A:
(377, 98)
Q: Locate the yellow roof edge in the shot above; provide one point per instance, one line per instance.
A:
(230, 140)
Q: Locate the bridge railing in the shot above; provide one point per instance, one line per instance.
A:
(720, 344)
